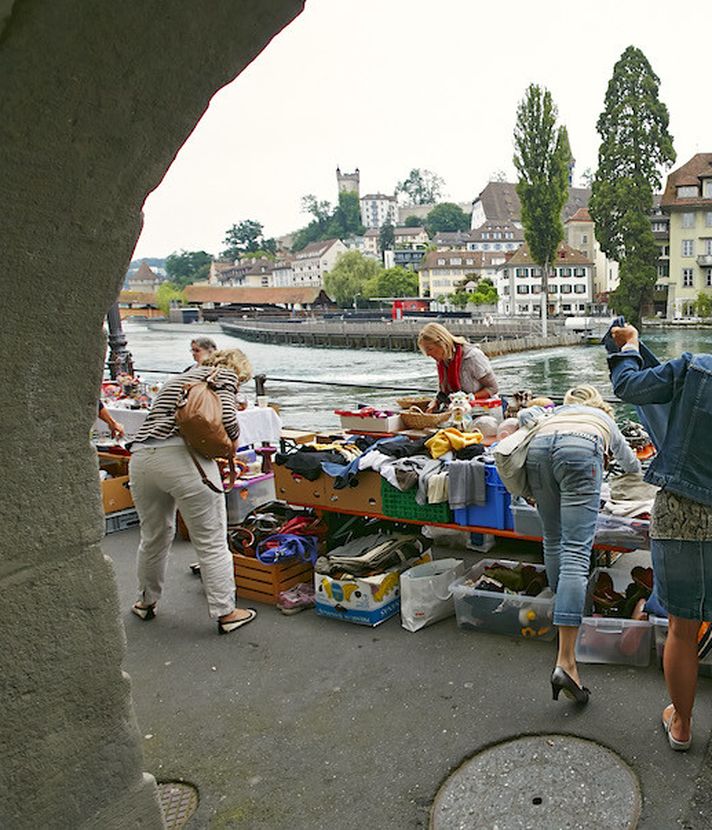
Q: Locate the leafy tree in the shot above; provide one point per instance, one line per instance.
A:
(328, 222)
(387, 237)
(485, 293)
(420, 187)
(586, 177)
(246, 238)
(542, 157)
(635, 146)
(186, 267)
(703, 305)
(347, 279)
(392, 282)
(446, 216)
(413, 221)
(167, 294)
(459, 298)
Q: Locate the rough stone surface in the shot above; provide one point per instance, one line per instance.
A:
(96, 99)
(540, 782)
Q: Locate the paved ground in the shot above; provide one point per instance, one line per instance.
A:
(301, 722)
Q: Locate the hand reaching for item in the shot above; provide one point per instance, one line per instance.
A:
(625, 334)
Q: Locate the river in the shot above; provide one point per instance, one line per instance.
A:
(545, 372)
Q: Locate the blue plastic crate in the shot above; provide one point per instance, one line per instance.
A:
(495, 513)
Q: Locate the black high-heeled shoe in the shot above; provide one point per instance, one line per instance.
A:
(562, 681)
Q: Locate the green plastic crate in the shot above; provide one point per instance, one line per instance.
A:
(399, 505)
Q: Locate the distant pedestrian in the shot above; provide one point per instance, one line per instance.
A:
(675, 401)
(462, 366)
(163, 476)
(201, 348)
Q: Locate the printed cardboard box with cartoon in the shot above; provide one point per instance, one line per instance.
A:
(367, 601)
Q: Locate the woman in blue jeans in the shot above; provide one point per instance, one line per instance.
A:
(674, 400)
(564, 469)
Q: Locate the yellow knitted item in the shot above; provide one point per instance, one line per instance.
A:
(451, 439)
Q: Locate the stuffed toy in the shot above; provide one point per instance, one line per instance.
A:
(460, 416)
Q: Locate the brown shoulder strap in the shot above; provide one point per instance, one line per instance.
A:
(231, 466)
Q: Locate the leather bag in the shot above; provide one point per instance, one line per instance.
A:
(199, 420)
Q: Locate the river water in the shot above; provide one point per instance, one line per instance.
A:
(545, 372)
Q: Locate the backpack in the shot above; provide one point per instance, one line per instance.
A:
(199, 421)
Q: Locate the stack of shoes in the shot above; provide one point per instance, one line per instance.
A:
(297, 598)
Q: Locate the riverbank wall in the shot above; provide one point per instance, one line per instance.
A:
(398, 336)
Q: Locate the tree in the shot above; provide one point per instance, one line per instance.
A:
(386, 237)
(459, 298)
(635, 147)
(446, 216)
(703, 305)
(541, 158)
(167, 294)
(586, 177)
(246, 238)
(392, 282)
(328, 222)
(347, 279)
(413, 221)
(186, 267)
(485, 293)
(420, 187)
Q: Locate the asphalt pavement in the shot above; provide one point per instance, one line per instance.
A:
(304, 722)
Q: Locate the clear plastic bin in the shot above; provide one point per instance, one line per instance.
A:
(247, 494)
(609, 639)
(622, 532)
(526, 519)
(528, 618)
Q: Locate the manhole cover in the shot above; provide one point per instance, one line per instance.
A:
(179, 801)
(542, 782)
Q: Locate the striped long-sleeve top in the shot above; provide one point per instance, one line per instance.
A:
(161, 420)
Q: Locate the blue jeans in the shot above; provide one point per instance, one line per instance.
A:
(564, 471)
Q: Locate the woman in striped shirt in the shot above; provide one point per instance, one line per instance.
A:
(164, 477)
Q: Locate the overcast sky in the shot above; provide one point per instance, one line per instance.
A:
(388, 85)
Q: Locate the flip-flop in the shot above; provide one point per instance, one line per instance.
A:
(144, 612)
(678, 746)
(233, 625)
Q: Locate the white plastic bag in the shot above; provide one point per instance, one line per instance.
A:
(425, 597)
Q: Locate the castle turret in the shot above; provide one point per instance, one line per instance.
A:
(348, 182)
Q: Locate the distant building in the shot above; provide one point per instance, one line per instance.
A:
(443, 272)
(451, 240)
(247, 271)
(661, 232)
(687, 200)
(313, 262)
(377, 210)
(410, 236)
(348, 182)
(371, 242)
(499, 202)
(282, 273)
(519, 282)
(579, 233)
(145, 280)
(495, 236)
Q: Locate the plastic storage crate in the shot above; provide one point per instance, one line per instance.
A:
(526, 519)
(609, 639)
(402, 505)
(247, 494)
(121, 520)
(495, 513)
(528, 618)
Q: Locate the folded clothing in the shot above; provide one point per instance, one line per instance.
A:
(370, 555)
(467, 483)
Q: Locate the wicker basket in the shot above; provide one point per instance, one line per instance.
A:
(415, 418)
(421, 402)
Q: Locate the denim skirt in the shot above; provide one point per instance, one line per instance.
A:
(683, 577)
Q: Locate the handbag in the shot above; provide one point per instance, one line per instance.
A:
(199, 420)
(425, 594)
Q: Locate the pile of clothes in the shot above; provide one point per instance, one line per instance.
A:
(499, 578)
(371, 555)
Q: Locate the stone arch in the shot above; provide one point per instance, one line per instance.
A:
(96, 98)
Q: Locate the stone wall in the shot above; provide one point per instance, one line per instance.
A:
(96, 98)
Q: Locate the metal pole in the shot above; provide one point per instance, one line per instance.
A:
(120, 359)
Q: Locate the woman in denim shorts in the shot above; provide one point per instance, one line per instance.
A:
(675, 401)
(564, 469)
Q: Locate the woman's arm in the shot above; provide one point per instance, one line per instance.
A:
(622, 451)
(634, 384)
(115, 428)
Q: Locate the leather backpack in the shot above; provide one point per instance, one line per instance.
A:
(200, 423)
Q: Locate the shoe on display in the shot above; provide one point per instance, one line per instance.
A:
(297, 598)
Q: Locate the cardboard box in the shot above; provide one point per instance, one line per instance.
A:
(391, 423)
(367, 601)
(263, 583)
(295, 489)
(365, 497)
(115, 493)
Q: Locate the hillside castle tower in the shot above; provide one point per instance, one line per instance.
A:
(348, 182)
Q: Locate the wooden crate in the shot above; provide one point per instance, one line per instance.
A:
(263, 583)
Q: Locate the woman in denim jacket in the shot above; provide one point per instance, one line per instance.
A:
(675, 402)
(564, 471)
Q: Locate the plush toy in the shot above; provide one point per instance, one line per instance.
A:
(460, 416)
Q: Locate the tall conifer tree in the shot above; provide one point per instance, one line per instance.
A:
(542, 157)
(635, 147)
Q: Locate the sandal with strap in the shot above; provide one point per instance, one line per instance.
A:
(233, 625)
(678, 746)
(144, 612)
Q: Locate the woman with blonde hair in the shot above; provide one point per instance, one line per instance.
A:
(564, 468)
(164, 477)
(462, 367)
